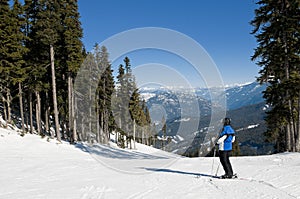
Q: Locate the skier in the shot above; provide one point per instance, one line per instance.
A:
(225, 141)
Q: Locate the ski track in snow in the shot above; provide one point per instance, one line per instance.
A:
(263, 193)
(32, 167)
(141, 194)
(93, 192)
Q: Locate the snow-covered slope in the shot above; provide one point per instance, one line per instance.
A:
(32, 167)
(244, 95)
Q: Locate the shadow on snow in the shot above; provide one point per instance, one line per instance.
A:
(115, 153)
(179, 172)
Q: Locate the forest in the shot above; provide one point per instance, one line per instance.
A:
(41, 56)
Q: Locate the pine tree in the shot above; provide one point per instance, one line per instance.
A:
(129, 113)
(71, 56)
(276, 27)
(236, 149)
(135, 113)
(18, 51)
(34, 59)
(6, 33)
(45, 35)
(12, 51)
(105, 91)
(86, 82)
(147, 123)
(119, 106)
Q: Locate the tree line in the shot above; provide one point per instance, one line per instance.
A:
(277, 31)
(41, 56)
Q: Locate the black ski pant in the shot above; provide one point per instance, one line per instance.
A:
(224, 158)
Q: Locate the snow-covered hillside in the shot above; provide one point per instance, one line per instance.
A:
(244, 95)
(32, 167)
(237, 96)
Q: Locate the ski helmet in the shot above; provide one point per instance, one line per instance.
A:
(227, 121)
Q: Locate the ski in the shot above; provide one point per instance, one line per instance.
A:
(234, 176)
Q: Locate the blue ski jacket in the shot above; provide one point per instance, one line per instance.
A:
(226, 139)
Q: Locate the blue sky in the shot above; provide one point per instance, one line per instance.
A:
(221, 27)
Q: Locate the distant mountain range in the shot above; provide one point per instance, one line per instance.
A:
(183, 108)
(244, 95)
(180, 103)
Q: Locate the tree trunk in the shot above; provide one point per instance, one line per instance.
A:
(70, 104)
(4, 110)
(90, 107)
(47, 113)
(298, 127)
(134, 147)
(30, 113)
(21, 107)
(106, 129)
(83, 132)
(293, 132)
(105, 115)
(116, 137)
(98, 127)
(289, 132)
(103, 140)
(8, 102)
(38, 112)
(26, 114)
(143, 136)
(120, 124)
(54, 94)
(73, 116)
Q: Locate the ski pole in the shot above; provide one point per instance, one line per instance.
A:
(212, 166)
(217, 169)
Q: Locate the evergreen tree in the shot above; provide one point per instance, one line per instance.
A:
(130, 113)
(147, 123)
(135, 113)
(236, 148)
(86, 82)
(6, 33)
(37, 59)
(12, 51)
(276, 27)
(71, 57)
(18, 50)
(119, 106)
(105, 91)
(45, 35)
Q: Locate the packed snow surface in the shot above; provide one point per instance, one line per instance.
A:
(32, 167)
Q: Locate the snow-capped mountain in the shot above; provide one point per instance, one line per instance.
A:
(183, 109)
(236, 96)
(175, 104)
(244, 95)
(194, 103)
